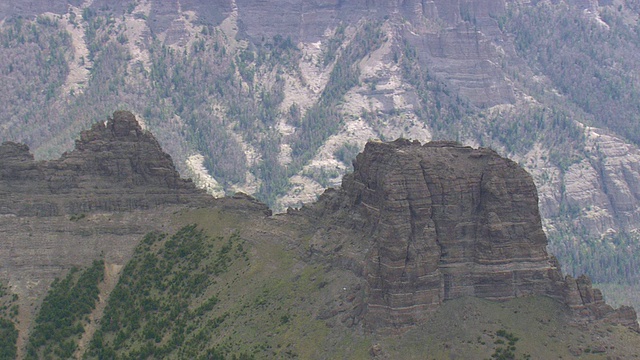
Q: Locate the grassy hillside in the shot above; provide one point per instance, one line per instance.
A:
(230, 285)
(525, 328)
(210, 292)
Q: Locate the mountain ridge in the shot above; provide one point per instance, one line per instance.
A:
(385, 241)
(118, 151)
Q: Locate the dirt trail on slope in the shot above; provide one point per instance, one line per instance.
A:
(111, 276)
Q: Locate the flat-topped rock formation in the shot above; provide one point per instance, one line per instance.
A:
(441, 221)
(115, 166)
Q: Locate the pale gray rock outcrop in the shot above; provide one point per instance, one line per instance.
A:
(602, 192)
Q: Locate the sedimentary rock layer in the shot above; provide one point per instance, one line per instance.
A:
(416, 224)
(444, 221)
(115, 166)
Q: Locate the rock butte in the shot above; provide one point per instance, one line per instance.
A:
(440, 221)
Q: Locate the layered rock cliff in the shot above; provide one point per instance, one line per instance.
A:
(442, 70)
(441, 221)
(115, 166)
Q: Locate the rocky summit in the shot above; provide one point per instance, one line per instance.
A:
(115, 166)
(442, 221)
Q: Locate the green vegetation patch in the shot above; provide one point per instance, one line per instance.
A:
(8, 339)
(212, 291)
(8, 331)
(507, 346)
(580, 70)
(160, 307)
(60, 322)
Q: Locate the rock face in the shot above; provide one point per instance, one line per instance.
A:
(444, 221)
(115, 166)
(607, 184)
(461, 54)
(589, 304)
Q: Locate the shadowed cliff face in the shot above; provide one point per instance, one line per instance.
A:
(442, 221)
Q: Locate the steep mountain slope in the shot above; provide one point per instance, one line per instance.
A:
(276, 98)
